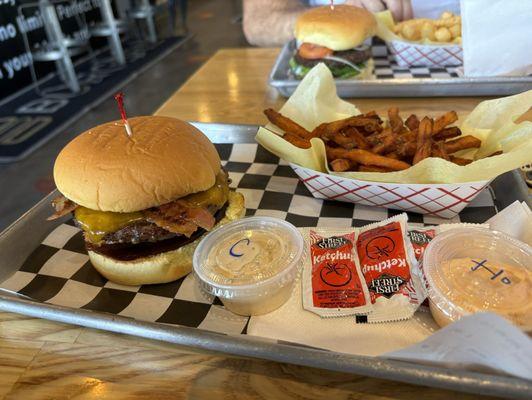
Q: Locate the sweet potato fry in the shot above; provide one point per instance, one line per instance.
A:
(406, 149)
(404, 130)
(371, 168)
(286, 124)
(374, 115)
(462, 143)
(446, 119)
(340, 165)
(439, 151)
(424, 142)
(387, 144)
(447, 133)
(357, 137)
(364, 143)
(341, 139)
(296, 140)
(460, 160)
(393, 155)
(376, 138)
(396, 122)
(367, 158)
(368, 125)
(412, 122)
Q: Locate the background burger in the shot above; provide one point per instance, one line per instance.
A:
(143, 202)
(334, 36)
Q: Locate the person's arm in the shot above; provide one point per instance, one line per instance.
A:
(270, 22)
(434, 8)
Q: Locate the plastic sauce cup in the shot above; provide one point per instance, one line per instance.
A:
(474, 269)
(250, 264)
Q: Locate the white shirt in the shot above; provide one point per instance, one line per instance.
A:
(420, 8)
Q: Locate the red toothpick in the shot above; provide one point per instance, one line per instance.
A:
(119, 97)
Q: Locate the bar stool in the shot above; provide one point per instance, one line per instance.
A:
(144, 11)
(58, 48)
(111, 28)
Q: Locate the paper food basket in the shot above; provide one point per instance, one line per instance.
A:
(408, 54)
(417, 54)
(440, 200)
(433, 186)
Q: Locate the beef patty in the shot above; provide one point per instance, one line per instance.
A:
(140, 232)
(166, 241)
(353, 56)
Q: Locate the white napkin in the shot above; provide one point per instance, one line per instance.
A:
(496, 37)
(292, 323)
(515, 220)
(481, 342)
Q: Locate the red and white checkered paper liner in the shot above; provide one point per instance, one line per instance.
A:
(443, 200)
(408, 54)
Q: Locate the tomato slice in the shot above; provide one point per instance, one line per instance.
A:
(313, 52)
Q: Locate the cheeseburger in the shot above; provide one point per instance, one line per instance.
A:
(143, 202)
(334, 36)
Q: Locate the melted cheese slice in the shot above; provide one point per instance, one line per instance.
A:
(97, 224)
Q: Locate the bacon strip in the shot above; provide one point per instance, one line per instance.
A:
(179, 217)
(63, 206)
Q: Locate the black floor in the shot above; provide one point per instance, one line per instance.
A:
(213, 23)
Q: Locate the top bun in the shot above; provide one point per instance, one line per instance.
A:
(165, 159)
(340, 28)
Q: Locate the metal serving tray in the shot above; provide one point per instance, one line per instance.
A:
(19, 239)
(282, 79)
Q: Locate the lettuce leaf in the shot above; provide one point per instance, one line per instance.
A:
(344, 72)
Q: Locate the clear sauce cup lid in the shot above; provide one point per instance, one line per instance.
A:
(475, 269)
(248, 257)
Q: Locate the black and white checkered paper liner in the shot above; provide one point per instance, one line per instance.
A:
(386, 67)
(59, 272)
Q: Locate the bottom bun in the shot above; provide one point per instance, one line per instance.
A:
(163, 267)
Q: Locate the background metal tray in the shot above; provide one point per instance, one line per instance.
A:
(18, 240)
(281, 79)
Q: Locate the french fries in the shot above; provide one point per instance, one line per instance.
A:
(460, 160)
(439, 151)
(340, 165)
(424, 144)
(367, 158)
(446, 119)
(446, 29)
(447, 133)
(286, 124)
(462, 143)
(366, 143)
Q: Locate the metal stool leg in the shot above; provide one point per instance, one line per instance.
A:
(55, 34)
(150, 23)
(114, 39)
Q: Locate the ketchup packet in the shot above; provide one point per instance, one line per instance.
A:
(421, 237)
(390, 269)
(332, 283)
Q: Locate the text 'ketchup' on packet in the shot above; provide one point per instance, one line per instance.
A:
(390, 269)
(333, 285)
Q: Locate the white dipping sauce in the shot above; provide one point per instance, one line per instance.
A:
(246, 257)
(251, 264)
